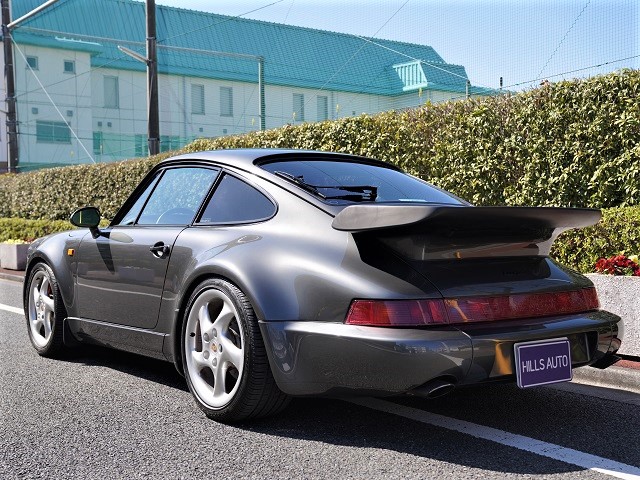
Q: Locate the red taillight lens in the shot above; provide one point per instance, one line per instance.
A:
(470, 309)
(396, 312)
(525, 305)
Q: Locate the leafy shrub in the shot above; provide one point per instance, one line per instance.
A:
(618, 232)
(28, 230)
(54, 193)
(572, 143)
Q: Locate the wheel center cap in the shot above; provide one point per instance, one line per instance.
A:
(214, 347)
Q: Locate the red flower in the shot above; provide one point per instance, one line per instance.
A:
(618, 265)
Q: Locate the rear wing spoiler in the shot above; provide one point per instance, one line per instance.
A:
(437, 231)
(359, 218)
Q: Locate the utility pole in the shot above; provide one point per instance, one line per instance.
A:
(153, 120)
(263, 120)
(9, 81)
(9, 77)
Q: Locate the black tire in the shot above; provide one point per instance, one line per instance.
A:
(241, 377)
(44, 311)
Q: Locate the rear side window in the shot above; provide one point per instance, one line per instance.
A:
(339, 182)
(234, 201)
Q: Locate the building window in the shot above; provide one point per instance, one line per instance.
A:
(69, 66)
(32, 63)
(52, 132)
(141, 145)
(197, 99)
(323, 108)
(170, 142)
(97, 143)
(226, 102)
(298, 107)
(111, 94)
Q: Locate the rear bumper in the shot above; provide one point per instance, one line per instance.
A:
(315, 358)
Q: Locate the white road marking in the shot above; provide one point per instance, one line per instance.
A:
(549, 450)
(11, 309)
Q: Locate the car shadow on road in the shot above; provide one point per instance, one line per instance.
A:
(151, 369)
(554, 416)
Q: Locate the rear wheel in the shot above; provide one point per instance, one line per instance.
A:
(45, 311)
(224, 357)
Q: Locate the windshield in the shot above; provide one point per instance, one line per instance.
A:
(339, 182)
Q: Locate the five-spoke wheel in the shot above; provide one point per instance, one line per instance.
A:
(223, 355)
(44, 310)
(214, 348)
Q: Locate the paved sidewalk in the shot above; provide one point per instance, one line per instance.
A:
(15, 275)
(624, 375)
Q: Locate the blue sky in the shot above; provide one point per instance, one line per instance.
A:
(521, 41)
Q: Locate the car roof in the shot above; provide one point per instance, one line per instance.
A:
(250, 159)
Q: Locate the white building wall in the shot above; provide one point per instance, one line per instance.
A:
(110, 133)
(117, 126)
(67, 99)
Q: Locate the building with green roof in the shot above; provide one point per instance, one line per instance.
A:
(81, 99)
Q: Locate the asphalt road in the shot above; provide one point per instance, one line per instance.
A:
(106, 414)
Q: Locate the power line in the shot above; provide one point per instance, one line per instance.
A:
(51, 99)
(321, 89)
(565, 36)
(289, 11)
(572, 71)
(218, 23)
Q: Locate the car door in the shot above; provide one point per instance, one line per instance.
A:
(121, 272)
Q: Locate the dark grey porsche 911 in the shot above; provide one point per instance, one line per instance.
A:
(268, 273)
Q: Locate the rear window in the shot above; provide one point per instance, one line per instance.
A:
(339, 182)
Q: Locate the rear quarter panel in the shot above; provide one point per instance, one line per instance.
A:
(292, 267)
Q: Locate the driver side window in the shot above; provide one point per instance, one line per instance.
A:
(172, 198)
(134, 211)
(176, 198)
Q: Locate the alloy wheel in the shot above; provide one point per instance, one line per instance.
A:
(214, 348)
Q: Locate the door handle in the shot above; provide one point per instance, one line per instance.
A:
(160, 250)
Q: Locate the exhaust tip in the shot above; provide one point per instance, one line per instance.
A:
(434, 388)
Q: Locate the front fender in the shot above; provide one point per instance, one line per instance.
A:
(57, 251)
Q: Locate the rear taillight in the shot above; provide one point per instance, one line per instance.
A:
(470, 309)
(397, 312)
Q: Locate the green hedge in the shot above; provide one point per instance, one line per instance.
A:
(572, 143)
(21, 229)
(617, 232)
(54, 193)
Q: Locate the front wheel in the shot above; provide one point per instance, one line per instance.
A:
(45, 311)
(224, 357)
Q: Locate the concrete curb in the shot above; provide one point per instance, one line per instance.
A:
(619, 378)
(621, 295)
(14, 277)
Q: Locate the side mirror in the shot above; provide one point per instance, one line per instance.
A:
(87, 217)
